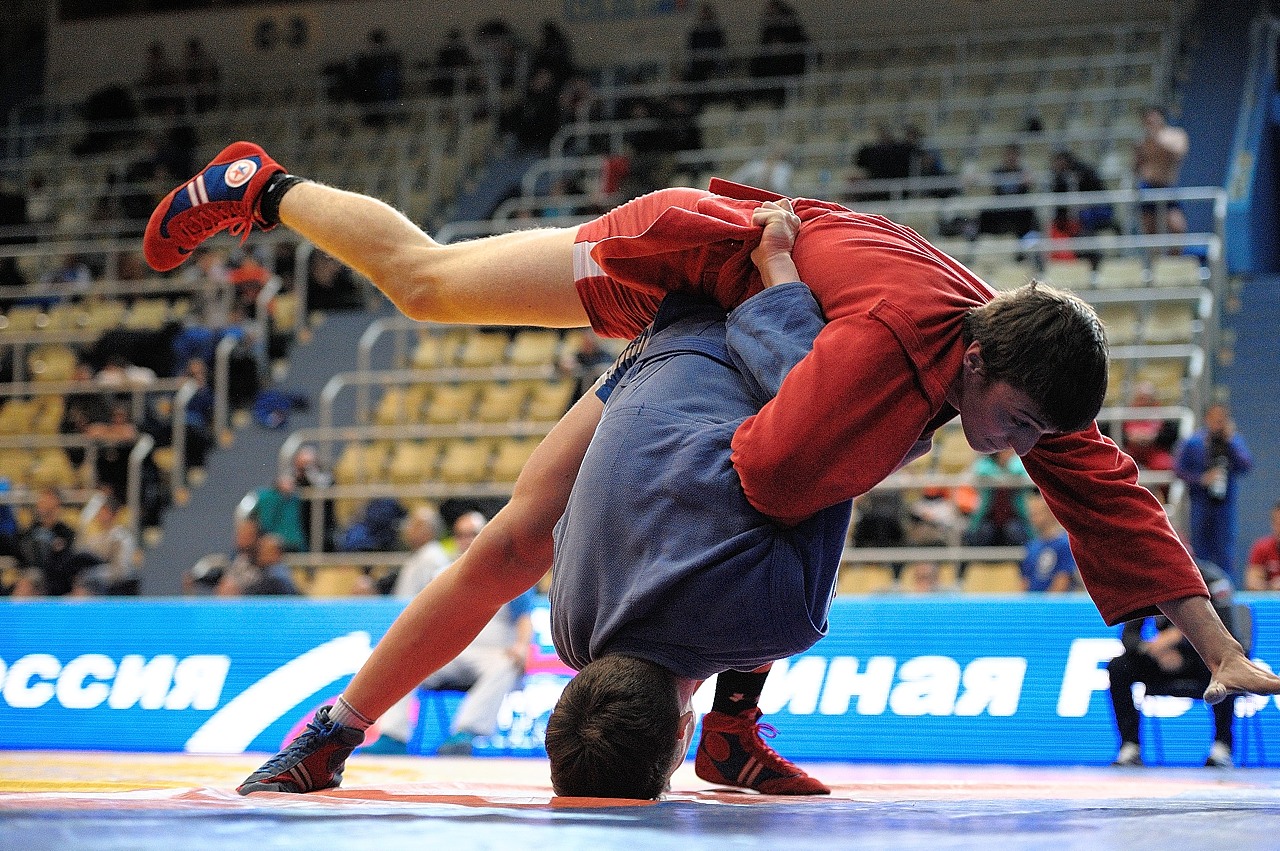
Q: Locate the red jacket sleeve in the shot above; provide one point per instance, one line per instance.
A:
(1128, 554)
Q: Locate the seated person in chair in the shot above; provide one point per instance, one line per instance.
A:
(1168, 665)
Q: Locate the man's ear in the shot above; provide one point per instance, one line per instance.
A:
(973, 361)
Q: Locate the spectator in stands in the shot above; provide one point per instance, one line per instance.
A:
(201, 74)
(307, 473)
(554, 52)
(887, 158)
(533, 120)
(1000, 519)
(70, 279)
(452, 67)
(14, 218)
(199, 417)
(46, 548)
(1157, 161)
(278, 511)
(331, 285)
(921, 577)
(1167, 662)
(158, 84)
(923, 161)
(783, 46)
(1048, 566)
(1263, 572)
(1149, 442)
(1211, 462)
(378, 531)
(1072, 174)
(205, 578)
(116, 437)
(108, 538)
(934, 519)
(499, 52)
(270, 575)
(773, 170)
(422, 530)
(8, 523)
(378, 78)
(587, 361)
(1009, 178)
(705, 45)
(486, 670)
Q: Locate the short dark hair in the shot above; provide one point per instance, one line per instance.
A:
(613, 732)
(1050, 345)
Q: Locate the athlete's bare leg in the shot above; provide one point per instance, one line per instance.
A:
(509, 556)
(518, 278)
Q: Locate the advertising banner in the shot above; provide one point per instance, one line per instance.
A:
(948, 678)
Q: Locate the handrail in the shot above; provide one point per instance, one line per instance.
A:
(137, 455)
(181, 400)
(222, 389)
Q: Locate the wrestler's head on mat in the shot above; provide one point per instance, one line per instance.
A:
(620, 729)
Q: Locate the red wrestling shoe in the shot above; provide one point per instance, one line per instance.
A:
(732, 752)
(223, 195)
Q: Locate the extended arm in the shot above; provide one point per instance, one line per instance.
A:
(1233, 672)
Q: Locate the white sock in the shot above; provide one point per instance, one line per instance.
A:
(343, 713)
(1128, 751)
(1220, 752)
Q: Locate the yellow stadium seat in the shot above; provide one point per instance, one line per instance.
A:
(451, 403)
(336, 581)
(1120, 321)
(1170, 322)
(1069, 274)
(534, 347)
(550, 400)
(464, 461)
(864, 578)
(18, 415)
(52, 469)
(147, 314)
(511, 456)
(15, 466)
(25, 317)
(992, 578)
(435, 349)
(1181, 271)
(501, 402)
(412, 462)
(484, 348)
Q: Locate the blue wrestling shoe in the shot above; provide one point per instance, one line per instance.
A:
(224, 195)
(312, 762)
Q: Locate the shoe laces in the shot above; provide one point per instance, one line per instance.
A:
(764, 730)
(206, 219)
(315, 730)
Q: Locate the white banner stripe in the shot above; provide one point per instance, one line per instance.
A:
(191, 194)
(204, 193)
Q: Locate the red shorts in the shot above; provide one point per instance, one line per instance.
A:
(623, 309)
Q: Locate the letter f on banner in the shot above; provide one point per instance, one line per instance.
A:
(1086, 674)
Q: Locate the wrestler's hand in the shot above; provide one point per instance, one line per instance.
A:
(1238, 675)
(773, 255)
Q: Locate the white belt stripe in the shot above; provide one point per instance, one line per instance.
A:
(204, 193)
(583, 264)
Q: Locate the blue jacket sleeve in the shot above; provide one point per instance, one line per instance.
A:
(770, 333)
